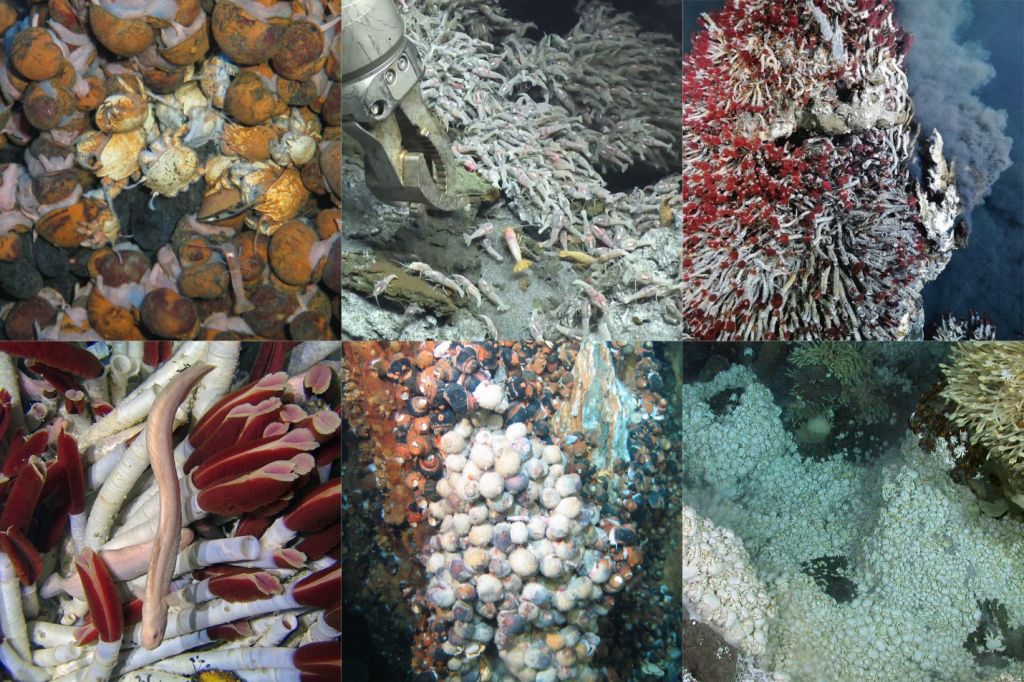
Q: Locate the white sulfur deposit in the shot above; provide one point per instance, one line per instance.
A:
(921, 553)
(527, 576)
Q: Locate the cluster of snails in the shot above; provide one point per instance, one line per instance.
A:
(404, 399)
(233, 107)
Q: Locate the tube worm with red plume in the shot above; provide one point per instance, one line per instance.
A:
(318, 510)
(231, 495)
(71, 461)
(23, 495)
(105, 607)
(254, 393)
(65, 356)
(159, 428)
(319, 590)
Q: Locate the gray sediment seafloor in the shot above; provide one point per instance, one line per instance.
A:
(541, 125)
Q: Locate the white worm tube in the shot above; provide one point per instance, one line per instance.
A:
(222, 551)
(146, 531)
(130, 412)
(139, 657)
(122, 368)
(277, 536)
(320, 631)
(103, 661)
(36, 415)
(309, 353)
(96, 389)
(231, 659)
(29, 601)
(324, 472)
(137, 405)
(218, 612)
(272, 675)
(223, 355)
(77, 522)
(111, 443)
(151, 675)
(280, 628)
(9, 381)
(136, 350)
(49, 635)
(193, 593)
(114, 490)
(147, 505)
(12, 618)
(65, 653)
(100, 470)
(20, 669)
(187, 354)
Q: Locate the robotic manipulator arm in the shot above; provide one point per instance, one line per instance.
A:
(408, 157)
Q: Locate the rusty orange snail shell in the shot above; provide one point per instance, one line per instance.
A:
(420, 425)
(418, 445)
(428, 384)
(615, 583)
(419, 405)
(402, 453)
(424, 358)
(414, 480)
(444, 369)
(430, 465)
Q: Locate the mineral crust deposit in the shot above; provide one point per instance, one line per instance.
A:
(800, 216)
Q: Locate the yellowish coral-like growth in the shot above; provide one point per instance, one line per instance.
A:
(847, 362)
(986, 381)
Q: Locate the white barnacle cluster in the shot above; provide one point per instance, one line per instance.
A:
(519, 559)
(921, 555)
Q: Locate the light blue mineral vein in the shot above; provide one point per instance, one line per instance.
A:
(595, 417)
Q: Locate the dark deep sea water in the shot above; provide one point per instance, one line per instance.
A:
(988, 276)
